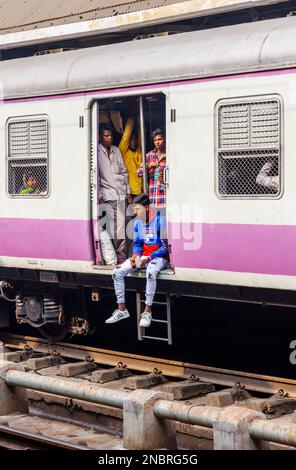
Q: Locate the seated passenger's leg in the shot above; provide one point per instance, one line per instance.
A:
(153, 268)
(118, 275)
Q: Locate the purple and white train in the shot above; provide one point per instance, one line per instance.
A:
(229, 97)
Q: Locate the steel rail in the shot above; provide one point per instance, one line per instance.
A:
(65, 388)
(224, 377)
(259, 429)
(280, 433)
(189, 414)
(40, 439)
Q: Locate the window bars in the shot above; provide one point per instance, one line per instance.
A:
(249, 147)
(27, 156)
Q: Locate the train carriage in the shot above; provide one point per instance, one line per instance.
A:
(228, 99)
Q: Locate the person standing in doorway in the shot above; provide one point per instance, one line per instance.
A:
(155, 165)
(114, 189)
(130, 148)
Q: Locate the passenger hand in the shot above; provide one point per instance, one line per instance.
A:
(144, 261)
(151, 165)
(134, 260)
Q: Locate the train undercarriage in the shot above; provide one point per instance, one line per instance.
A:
(73, 304)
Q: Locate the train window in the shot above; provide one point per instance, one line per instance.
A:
(249, 147)
(27, 156)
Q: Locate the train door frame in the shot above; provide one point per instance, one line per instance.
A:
(94, 114)
(93, 190)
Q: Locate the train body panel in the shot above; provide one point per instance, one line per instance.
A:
(215, 237)
(206, 232)
(55, 226)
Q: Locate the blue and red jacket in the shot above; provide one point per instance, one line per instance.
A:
(150, 239)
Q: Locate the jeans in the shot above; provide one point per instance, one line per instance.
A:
(152, 269)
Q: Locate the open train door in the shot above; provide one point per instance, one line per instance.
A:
(151, 110)
(94, 203)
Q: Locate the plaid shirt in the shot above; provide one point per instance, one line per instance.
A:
(156, 189)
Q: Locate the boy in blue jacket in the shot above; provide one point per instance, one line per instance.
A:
(150, 251)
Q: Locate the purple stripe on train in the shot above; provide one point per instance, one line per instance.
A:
(266, 249)
(46, 239)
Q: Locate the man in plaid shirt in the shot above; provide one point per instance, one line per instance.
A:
(155, 165)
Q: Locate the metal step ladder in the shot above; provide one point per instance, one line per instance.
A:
(142, 331)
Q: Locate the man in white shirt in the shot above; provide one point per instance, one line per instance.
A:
(114, 189)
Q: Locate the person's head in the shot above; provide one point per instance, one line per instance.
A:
(106, 135)
(158, 139)
(31, 181)
(133, 144)
(141, 205)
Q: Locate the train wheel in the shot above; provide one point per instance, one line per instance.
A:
(53, 332)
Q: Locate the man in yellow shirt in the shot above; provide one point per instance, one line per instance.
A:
(130, 148)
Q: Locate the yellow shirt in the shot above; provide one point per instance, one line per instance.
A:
(132, 158)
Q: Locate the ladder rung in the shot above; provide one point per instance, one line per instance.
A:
(167, 322)
(155, 337)
(157, 303)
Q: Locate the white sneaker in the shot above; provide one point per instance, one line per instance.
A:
(146, 319)
(117, 315)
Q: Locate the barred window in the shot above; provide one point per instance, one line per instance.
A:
(27, 156)
(249, 147)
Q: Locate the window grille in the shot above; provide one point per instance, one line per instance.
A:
(27, 156)
(249, 147)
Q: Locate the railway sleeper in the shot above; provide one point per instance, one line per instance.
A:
(103, 376)
(272, 407)
(145, 381)
(221, 398)
(43, 362)
(20, 356)
(76, 368)
(188, 389)
(182, 390)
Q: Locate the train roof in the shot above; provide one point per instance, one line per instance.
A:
(212, 52)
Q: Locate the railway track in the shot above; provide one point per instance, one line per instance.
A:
(174, 369)
(101, 425)
(24, 440)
